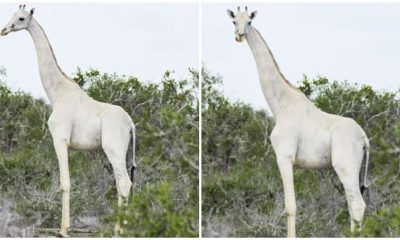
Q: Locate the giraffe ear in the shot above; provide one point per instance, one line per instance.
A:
(253, 14)
(32, 11)
(230, 13)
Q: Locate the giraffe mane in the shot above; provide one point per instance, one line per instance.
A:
(274, 61)
(52, 53)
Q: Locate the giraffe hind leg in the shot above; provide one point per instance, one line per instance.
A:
(116, 154)
(346, 161)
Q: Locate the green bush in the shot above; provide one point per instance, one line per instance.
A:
(155, 212)
(385, 223)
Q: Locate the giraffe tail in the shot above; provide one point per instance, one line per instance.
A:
(364, 188)
(130, 160)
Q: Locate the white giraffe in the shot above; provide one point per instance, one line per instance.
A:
(78, 121)
(304, 136)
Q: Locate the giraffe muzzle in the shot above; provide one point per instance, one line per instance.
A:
(4, 32)
(239, 38)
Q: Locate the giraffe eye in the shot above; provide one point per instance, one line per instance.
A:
(234, 23)
(249, 23)
(21, 19)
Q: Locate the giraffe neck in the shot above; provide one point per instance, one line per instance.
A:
(53, 78)
(275, 87)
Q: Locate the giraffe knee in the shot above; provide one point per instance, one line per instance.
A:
(290, 210)
(65, 186)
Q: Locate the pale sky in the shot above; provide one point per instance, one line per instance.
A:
(139, 39)
(355, 41)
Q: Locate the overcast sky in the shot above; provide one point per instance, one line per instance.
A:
(357, 42)
(139, 39)
(354, 41)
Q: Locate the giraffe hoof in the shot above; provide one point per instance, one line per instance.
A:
(63, 234)
(118, 232)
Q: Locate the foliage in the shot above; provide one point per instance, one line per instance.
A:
(156, 201)
(242, 188)
(166, 119)
(386, 223)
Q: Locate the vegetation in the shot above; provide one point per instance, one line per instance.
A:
(242, 188)
(165, 199)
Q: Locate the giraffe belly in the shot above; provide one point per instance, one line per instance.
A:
(86, 136)
(310, 161)
(313, 155)
(85, 142)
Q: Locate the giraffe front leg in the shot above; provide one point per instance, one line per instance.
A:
(286, 170)
(65, 185)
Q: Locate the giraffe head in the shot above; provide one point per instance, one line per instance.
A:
(19, 21)
(242, 22)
